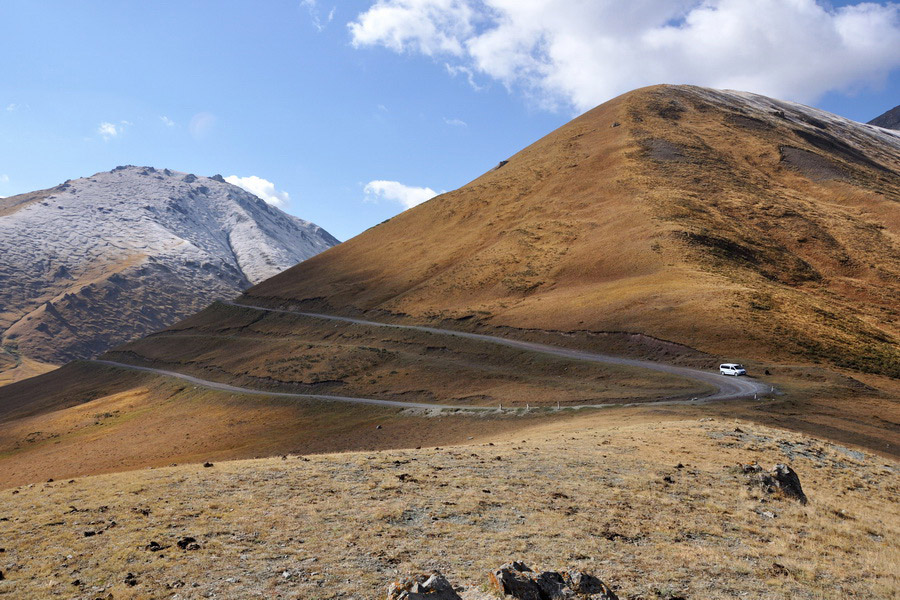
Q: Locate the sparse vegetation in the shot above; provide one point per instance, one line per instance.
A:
(656, 510)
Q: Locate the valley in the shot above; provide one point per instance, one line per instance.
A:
(522, 368)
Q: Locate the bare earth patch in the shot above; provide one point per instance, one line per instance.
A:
(658, 510)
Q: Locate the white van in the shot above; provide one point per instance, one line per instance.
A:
(732, 369)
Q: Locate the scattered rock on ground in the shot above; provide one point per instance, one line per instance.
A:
(188, 543)
(781, 479)
(422, 587)
(518, 581)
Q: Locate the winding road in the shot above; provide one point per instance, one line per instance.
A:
(728, 388)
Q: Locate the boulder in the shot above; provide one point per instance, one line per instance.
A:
(781, 479)
(422, 587)
(517, 580)
(788, 482)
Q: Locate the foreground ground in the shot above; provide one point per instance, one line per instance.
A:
(606, 496)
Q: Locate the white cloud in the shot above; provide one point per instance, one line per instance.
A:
(582, 52)
(315, 15)
(455, 122)
(427, 26)
(167, 121)
(201, 125)
(110, 131)
(260, 188)
(395, 191)
(11, 107)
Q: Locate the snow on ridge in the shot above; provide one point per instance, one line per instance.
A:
(848, 129)
(142, 210)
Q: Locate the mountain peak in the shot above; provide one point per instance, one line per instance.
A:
(888, 120)
(155, 244)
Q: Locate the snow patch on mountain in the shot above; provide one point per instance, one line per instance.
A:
(153, 244)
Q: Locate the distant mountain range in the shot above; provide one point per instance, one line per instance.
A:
(889, 120)
(101, 260)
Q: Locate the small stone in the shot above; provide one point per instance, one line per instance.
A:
(779, 569)
(188, 543)
(207, 464)
(153, 547)
(131, 580)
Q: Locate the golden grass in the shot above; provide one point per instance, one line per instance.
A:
(580, 493)
(18, 368)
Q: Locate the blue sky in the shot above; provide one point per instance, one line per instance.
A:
(349, 107)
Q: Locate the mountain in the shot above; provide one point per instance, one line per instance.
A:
(889, 120)
(98, 261)
(677, 224)
(729, 222)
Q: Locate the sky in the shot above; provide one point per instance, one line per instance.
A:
(346, 113)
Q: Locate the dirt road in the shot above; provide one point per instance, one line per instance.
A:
(727, 388)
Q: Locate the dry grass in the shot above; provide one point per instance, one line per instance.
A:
(581, 493)
(14, 367)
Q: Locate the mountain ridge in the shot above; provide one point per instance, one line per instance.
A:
(890, 119)
(154, 244)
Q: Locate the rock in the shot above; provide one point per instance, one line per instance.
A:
(188, 543)
(154, 547)
(518, 581)
(788, 482)
(422, 587)
(779, 569)
(1, 576)
(207, 464)
(588, 585)
(781, 479)
(131, 580)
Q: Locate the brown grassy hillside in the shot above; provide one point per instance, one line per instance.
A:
(673, 223)
(714, 220)
(657, 510)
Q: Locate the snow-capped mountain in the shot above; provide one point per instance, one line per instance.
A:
(100, 260)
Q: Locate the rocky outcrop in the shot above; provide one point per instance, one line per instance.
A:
(780, 480)
(512, 580)
(422, 587)
(517, 580)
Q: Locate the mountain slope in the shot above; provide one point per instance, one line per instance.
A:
(729, 222)
(101, 260)
(888, 120)
(674, 223)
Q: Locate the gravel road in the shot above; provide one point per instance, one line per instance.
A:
(727, 388)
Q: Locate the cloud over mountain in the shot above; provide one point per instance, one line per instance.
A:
(583, 52)
(261, 188)
(395, 191)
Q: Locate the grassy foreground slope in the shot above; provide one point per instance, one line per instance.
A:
(657, 510)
